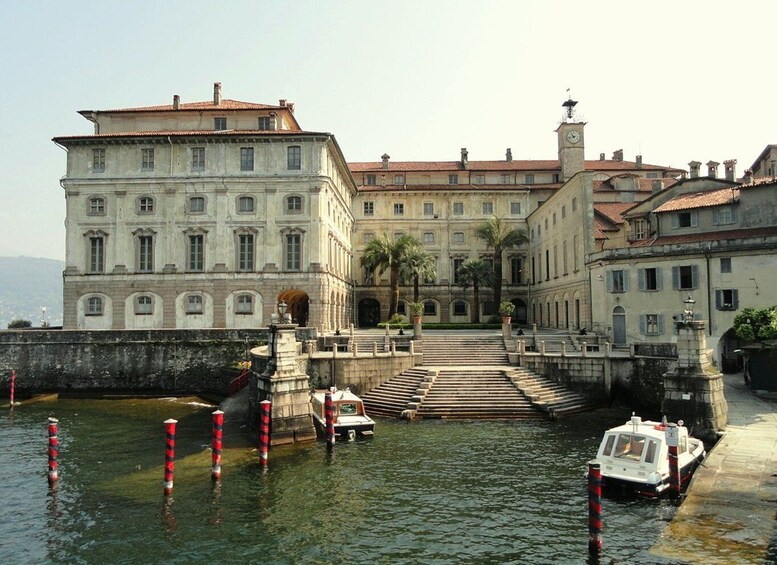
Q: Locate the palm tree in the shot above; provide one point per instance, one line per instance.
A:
(475, 272)
(418, 264)
(499, 236)
(384, 253)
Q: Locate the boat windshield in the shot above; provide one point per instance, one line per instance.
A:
(627, 446)
(348, 409)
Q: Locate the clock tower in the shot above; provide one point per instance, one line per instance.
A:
(571, 146)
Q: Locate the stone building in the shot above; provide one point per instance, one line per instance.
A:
(205, 215)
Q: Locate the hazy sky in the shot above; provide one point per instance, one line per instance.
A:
(674, 81)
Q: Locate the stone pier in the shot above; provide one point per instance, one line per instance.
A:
(288, 388)
(693, 391)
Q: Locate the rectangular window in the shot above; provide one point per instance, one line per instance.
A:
(144, 305)
(244, 304)
(369, 208)
(563, 212)
(96, 206)
(198, 158)
(245, 252)
(293, 252)
(556, 177)
(488, 208)
(574, 204)
(98, 160)
(516, 270)
(368, 237)
(246, 158)
(294, 204)
(574, 253)
(685, 220)
(94, 306)
(196, 252)
(399, 179)
(264, 123)
(515, 208)
(294, 158)
(554, 218)
(145, 253)
(547, 264)
(245, 204)
(529, 178)
(197, 204)
(459, 308)
(617, 281)
(685, 277)
(371, 180)
(398, 235)
(458, 237)
(147, 159)
(479, 179)
(651, 324)
(399, 209)
(458, 208)
(428, 237)
(428, 209)
(725, 264)
(724, 215)
(453, 179)
(145, 205)
(564, 256)
(96, 254)
(640, 229)
(430, 308)
(727, 299)
(402, 307)
(457, 263)
(649, 279)
(194, 304)
(219, 124)
(504, 179)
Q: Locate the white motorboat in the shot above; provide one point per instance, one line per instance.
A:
(350, 419)
(636, 455)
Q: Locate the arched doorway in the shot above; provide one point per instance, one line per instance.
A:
(369, 313)
(619, 325)
(298, 305)
(520, 316)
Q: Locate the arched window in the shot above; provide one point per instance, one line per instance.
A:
(144, 304)
(244, 304)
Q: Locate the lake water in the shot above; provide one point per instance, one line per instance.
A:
(418, 492)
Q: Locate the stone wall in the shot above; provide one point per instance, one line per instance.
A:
(125, 361)
(361, 374)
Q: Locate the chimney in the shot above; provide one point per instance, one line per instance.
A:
(282, 102)
(464, 161)
(657, 186)
(731, 169)
(694, 167)
(385, 157)
(601, 156)
(216, 93)
(176, 102)
(748, 178)
(273, 121)
(712, 169)
(509, 155)
(617, 155)
(291, 107)
(639, 161)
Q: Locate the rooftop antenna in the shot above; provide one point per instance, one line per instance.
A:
(569, 104)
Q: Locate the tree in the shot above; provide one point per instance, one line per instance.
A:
(756, 325)
(477, 273)
(18, 324)
(498, 237)
(384, 253)
(417, 265)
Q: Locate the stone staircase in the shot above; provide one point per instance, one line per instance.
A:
(474, 394)
(464, 350)
(392, 397)
(550, 397)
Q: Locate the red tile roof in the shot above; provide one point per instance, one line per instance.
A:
(760, 181)
(454, 187)
(613, 210)
(702, 199)
(516, 165)
(720, 235)
(226, 104)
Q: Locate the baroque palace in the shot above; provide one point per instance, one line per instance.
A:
(207, 214)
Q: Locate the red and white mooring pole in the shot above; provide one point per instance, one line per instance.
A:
(672, 441)
(594, 508)
(53, 450)
(218, 430)
(329, 419)
(265, 409)
(13, 386)
(169, 455)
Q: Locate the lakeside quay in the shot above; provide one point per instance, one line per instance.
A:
(728, 515)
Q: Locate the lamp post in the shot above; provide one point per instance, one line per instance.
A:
(688, 314)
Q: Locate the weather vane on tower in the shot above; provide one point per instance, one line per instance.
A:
(569, 104)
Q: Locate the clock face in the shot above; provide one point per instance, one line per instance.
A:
(573, 136)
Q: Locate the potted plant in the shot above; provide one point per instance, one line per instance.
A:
(399, 321)
(416, 311)
(506, 310)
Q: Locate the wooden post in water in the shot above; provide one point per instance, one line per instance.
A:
(53, 451)
(13, 386)
(216, 444)
(169, 456)
(594, 508)
(265, 410)
(672, 440)
(329, 417)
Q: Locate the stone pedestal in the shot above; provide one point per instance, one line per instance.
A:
(283, 384)
(693, 392)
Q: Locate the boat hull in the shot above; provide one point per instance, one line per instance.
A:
(650, 490)
(343, 430)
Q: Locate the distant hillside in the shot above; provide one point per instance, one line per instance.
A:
(26, 285)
